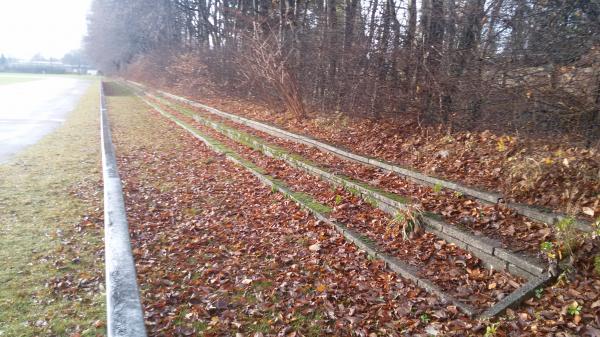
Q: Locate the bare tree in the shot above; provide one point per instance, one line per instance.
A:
(466, 63)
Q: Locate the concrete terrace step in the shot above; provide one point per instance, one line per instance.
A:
(491, 252)
(532, 212)
(350, 235)
(360, 241)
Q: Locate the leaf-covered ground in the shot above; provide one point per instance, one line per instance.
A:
(219, 254)
(465, 277)
(544, 172)
(51, 250)
(494, 221)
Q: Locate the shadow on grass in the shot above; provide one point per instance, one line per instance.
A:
(115, 89)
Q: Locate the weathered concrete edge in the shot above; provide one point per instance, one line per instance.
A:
(547, 216)
(352, 236)
(517, 296)
(125, 316)
(531, 212)
(482, 247)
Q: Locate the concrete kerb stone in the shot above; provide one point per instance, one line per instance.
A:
(349, 234)
(488, 250)
(125, 316)
(523, 262)
(433, 221)
(390, 205)
(534, 213)
(547, 216)
(488, 260)
(517, 296)
(450, 239)
(410, 273)
(482, 195)
(494, 263)
(360, 241)
(482, 243)
(521, 272)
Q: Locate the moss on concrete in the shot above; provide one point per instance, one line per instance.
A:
(310, 203)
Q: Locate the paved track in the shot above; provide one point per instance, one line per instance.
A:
(30, 110)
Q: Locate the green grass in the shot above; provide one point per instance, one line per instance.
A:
(39, 239)
(10, 78)
(33, 76)
(311, 322)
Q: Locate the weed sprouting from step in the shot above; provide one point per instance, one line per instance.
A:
(574, 309)
(353, 191)
(539, 292)
(568, 241)
(371, 201)
(338, 199)
(491, 330)
(567, 233)
(548, 249)
(406, 224)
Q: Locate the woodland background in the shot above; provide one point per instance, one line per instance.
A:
(525, 66)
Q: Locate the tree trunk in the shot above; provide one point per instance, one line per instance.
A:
(433, 40)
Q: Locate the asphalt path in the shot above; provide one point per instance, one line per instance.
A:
(30, 110)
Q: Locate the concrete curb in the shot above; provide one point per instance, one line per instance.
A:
(350, 235)
(124, 310)
(532, 212)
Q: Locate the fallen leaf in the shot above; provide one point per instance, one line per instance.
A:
(315, 248)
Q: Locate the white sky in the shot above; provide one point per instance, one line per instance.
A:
(49, 27)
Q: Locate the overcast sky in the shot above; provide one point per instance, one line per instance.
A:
(49, 27)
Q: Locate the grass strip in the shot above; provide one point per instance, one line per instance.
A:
(51, 269)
